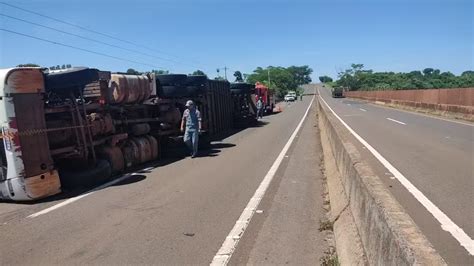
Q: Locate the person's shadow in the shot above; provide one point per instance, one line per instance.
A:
(214, 149)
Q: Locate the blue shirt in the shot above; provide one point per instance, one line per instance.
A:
(192, 118)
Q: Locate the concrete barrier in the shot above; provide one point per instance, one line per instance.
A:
(386, 232)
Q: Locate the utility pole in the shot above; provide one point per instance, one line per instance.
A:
(225, 72)
(268, 72)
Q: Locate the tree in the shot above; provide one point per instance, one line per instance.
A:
(198, 73)
(238, 76)
(160, 72)
(132, 71)
(28, 65)
(281, 79)
(301, 74)
(428, 71)
(68, 66)
(356, 78)
(325, 79)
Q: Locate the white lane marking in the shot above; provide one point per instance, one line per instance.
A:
(446, 223)
(363, 110)
(348, 104)
(396, 121)
(224, 254)
(76, 198)
(421, 114)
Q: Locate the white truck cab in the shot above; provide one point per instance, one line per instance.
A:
(27, 170)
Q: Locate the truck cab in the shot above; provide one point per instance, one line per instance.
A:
(27, 169)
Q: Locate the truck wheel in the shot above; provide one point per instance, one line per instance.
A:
(172, 79)
(193, 90)
(242, 88)
(172, 91)
(114, 156)
(196, 80)
(73, 178)
(140, 129)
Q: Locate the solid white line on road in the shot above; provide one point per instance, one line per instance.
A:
(396, 121)
(363, 110)
(446, 223)
(425, 115)
(231, 241)
(76, 198)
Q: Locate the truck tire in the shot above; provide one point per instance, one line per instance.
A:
(73, 178)
(172, 91)
(140, 129)
(196, 80)
(172, 79)
(114, 156)
(242, 88)
(194, 90)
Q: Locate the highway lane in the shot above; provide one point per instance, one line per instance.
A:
(178, 213)
(435, 155)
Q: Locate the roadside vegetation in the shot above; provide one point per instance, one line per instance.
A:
(358, 78)
(281, 79)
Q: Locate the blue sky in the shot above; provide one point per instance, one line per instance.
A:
(384, 35)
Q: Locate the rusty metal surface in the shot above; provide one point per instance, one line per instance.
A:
(24, 80)
(154, 146)
(101, 124)
(131, 153)
(144, 149)
(43, 185)
(129, 88)
(29, 110)
(114, 156)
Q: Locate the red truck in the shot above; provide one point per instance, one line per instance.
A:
(267, 97)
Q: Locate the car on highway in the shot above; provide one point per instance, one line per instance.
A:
(290, 98)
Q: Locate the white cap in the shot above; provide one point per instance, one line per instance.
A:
(189, 103)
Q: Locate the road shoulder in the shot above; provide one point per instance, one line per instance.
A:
(287, 231)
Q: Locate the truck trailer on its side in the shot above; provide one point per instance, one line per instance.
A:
(82, 126)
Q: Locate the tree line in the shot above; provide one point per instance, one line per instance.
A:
(281, 79)
(358, 78)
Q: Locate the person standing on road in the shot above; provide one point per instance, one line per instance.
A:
(301, 97)
(191, 126)
(259, 108)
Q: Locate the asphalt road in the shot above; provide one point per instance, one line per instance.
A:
(435, 155)
(182, 211)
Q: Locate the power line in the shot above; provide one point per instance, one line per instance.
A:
(88, 39)
(81, 49)
(87, 29)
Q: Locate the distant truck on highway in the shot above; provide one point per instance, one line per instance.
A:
(337, 92)
(81, 126)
